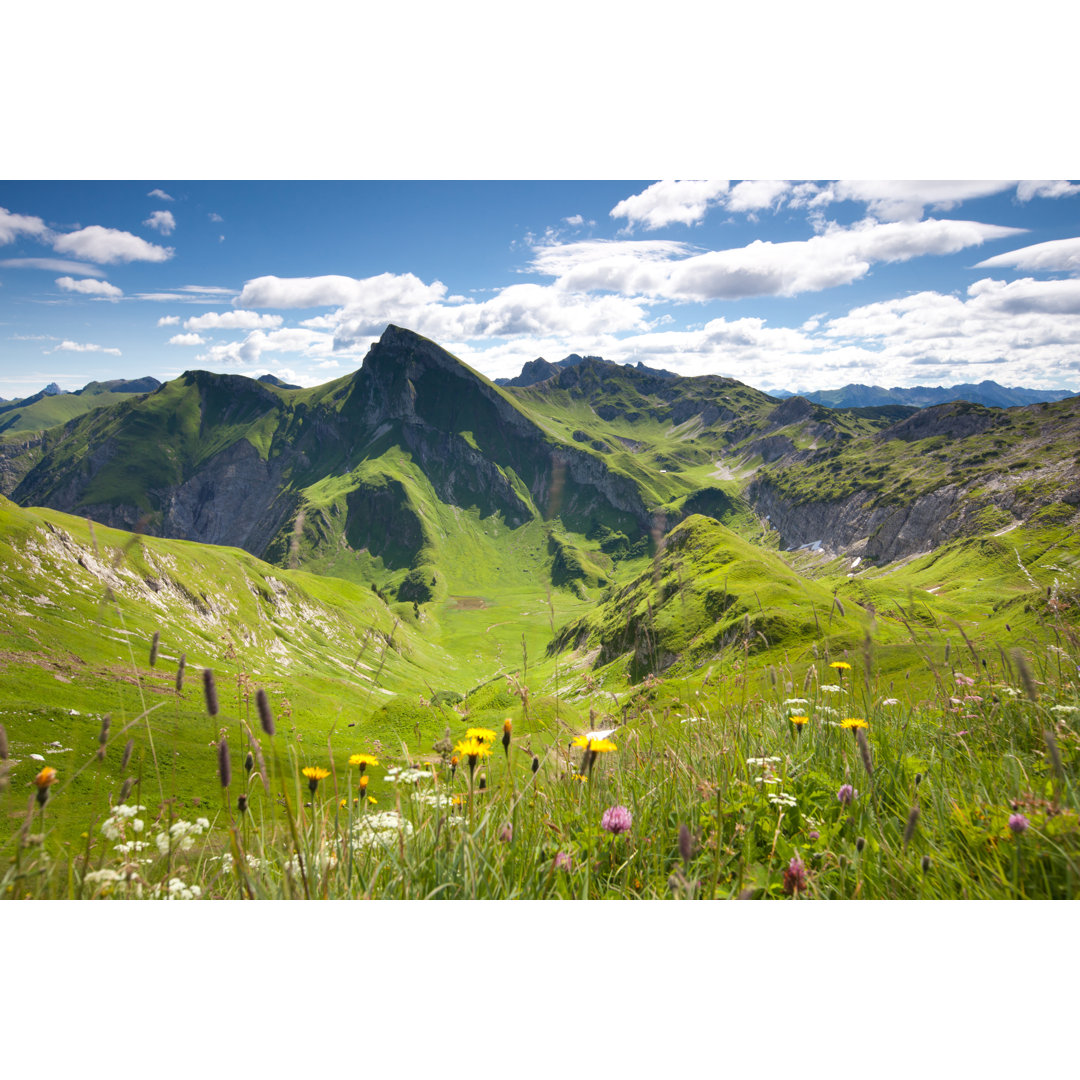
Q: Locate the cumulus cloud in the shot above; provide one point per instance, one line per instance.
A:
(55, 266)
(1025, 331)
(215, 217)
(162, 220)
(157, 193)
(670, 202)
(169, 320)
(1027, 190)
(1051, 255)
(187, 339)
(838, 256)
(232, 320)
(75, 346)
(751, 195)
(109, 246)
(89, 287)
(247, 352)
(512, 312)
(906, 200)
(15, 225)
(385, 291)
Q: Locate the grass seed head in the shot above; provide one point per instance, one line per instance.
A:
(210, 691)
(3, 744)
(180, 665)
(224, 765)
(129, 748)
(912, 821)
(154, 643)
(266, 717)
(125, 789)
(686, 844)
(864, 751)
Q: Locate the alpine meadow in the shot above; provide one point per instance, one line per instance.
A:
(468, 622)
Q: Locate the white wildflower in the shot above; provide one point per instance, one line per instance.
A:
(125, 811)
(761, 761)
(1065, 709)
(891, 701)
(105, 876)
(131, 845)
(782, 798)
(797, 701)
(179, 891)
(407, 776)
(831, 688)
(826, 710)
(381, 828)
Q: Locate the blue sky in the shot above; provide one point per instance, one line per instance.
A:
(782, 284)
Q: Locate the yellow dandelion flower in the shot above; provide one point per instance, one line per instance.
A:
(314, 774)
(853, 722)
(364, 783)
(840, 665)
(583, 779)
(597, 746)
(371, 799)
(481, 734)
(45, 778)
(473, 748)
(798, 721)
(363, 760)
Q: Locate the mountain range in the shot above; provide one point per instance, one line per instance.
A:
(662, 503)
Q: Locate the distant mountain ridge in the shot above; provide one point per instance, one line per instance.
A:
(988, 392)
(540, 370)
(51, 405)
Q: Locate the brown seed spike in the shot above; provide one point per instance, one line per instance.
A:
(155, 642)
(3, 744)
(864, 751)
(128, 748)
(266, 717)
(909, 828)
(180, 665)
(210, 691)
(224, 765)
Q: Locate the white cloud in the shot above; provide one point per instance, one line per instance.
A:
(247, 353)
(1027, 190)
(13, 225)
(157, 193)
(55, 266)
(109, 246)
(384, 291)
(838, 256)
(74, 346)
(1051, 255)
(89, 287)
(751, 195)
(232, 320)
(574, 219)
(905, 200)
(162, 220)
(628, 266)
(1025, 331)
(169, 320)
(215, 217)
(671, 201)
(517, 310)
(187, 339)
